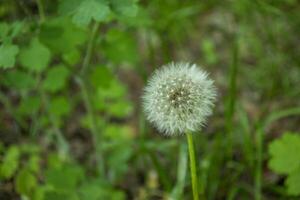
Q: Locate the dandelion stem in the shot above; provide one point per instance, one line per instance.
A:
(193, 166)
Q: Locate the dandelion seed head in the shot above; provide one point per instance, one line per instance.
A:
(178, 98)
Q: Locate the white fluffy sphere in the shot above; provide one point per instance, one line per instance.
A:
(178, 98)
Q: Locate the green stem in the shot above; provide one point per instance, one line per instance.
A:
(90, 46)
(93, 124)
(193, 166)
(41, 10)
(258, 169)
(161, 173)
(231, 99)
(63, 144)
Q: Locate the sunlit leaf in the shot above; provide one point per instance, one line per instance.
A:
(293, 183)
(10, 162)
(89, 10)
(8, 54)
(36, 57)
(25, 182)
(285, 153)
(56, 78)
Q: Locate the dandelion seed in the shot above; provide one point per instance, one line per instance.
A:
(185, 101)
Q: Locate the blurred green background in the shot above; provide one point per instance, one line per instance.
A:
(72, 73)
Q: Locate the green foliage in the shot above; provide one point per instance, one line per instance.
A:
(25, 182)
(72, 133)
(8, 54)
(56, 78)
(120, 47)
(85, 11)
(19, 80)
(61, 35)
(10, 162)
(35, 57)
(285, 160)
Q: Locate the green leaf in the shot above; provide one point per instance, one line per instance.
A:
(65, 178)
(127, 8)
(61, 35)
(209, 51)
(120, 47)
(36, 57)
(114, 131)
(97, 190)
(8, 32)
(68, 6)
(91, 9)
(60, 195)
(56, 78)
(293, 183)
(8, 54)
(10, 162)
(120, 108)
(60, 106)
(25, 182)
(4, 29)
(29, 105)
(72, 57)
(285, 153)
(19, 80)
(34, 163)
(101, 76)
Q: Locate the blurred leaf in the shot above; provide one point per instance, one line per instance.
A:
(91, 9)
(25, 182)
(284, 154)
(293, 183)
(9, 31)
(65, 178)
(120, 47)
(114, 131)
(36, 57)
(10, 162)
(209, 51)
(68, 6)
(4, 29)
(60, 106)
(96, 190)
(72, 57)
(101, 77)
(29, 105)
(60, 195)
(114, 95)
(8, 54)
(121, 108)
(119, 155)
(56, 78)
(19, 80)
(127, 8)
(34, 163)
(61, 35)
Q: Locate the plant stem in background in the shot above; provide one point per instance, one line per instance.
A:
(231, 99)
(258, 168)
(181, 173)
(90, 46)
(193, 168)
(87, 101)
(93, 124)
(41, 10)
(62, 142)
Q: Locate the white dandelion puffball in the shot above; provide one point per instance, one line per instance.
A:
(178, 98)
